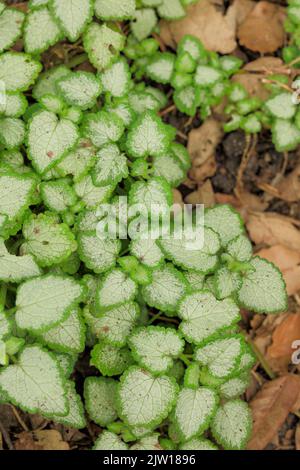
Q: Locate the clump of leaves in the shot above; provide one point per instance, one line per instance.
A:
(161, 319)
(201, 79)
(291, 53)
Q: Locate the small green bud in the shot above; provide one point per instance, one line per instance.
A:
(248, 105)
(185, 63)
(117, 427)
(13, 345)
(141, 275)
(167, 444)
(233, 124)
(128, 263)
(251, 124)
(149, 46)
(181, 80)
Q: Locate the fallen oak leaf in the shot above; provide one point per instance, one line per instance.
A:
(239, 10)
(281, 255)
(254, 73)
(270, 228)
(267, 65)
(262, 30)
(292, 280)
(41, 440)
(287, 261)
(199, 172)
(244, 204)
(202, 143)
(289, 187)
(206, 21)
(283, 337)
(270, 408)
(204, 194)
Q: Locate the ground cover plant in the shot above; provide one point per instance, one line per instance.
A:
(159, 322)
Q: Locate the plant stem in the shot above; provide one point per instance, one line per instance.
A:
(77, 60)
(11, 311)
(294, 62)
(185, 359)
(3, 291)
(155, 317)
(262, 360)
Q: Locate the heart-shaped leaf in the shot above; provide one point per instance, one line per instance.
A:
(35, 383)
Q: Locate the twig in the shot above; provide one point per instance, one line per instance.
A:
(257, 377)
(182, 135)
(167, 319)
(297, 298)
(269, 189)
(294, 62)
(188, 122)
(19, 419)
(6, 437)
(284, 163)
(167, 110)
(280, 85)
(155, 317)
(243, 165)
(262, 360)
(162, 45)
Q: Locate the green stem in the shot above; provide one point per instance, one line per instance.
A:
(124, 252)
(185, 359)
(16, 245)
(77, 60)
(155, 317)
(11, 311)
(3, 292)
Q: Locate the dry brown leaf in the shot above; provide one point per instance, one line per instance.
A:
(270, 408)
(203, 195)
(202, 172)
(204, 140)
(177, 200)
(255, 72)
(177, 197)
(292, 280)
(23, 6)
(239, 10)
(262, 30)
(252, 82)
(262, 341)
(283, 337)
(287, 261)
(273, 229)
(206, 21)
(246, 202)
(266, 65)
(289, 187)
(283, 257)
(201, 146)
(41, 440)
